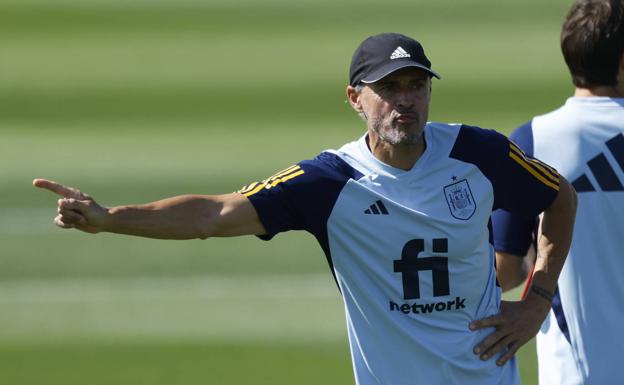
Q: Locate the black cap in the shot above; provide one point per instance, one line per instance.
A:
(380, 55)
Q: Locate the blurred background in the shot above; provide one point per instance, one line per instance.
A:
(136, 100)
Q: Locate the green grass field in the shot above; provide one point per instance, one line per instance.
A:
(133, 101)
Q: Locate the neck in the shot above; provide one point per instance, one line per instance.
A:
(616, 91)
(398, 156)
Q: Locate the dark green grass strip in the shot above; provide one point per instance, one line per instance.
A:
(235, 106)
(253, 18)
(122, 363)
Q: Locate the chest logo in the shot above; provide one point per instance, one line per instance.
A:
(377, 208)
(460, 200)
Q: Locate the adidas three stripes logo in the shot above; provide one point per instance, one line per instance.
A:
(604, 174)
(377, 208)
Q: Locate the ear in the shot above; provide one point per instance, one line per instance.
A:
(354, 98)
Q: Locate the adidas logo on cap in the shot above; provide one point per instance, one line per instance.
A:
(380, 55)
(399, 52)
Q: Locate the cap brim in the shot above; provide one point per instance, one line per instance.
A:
(393, 67)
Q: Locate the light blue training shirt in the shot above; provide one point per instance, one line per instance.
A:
(412, 251)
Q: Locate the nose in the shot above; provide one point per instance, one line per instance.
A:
(405, 99)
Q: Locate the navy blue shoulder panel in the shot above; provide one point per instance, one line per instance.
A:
(301, 197)
(513, 234)
(482, 148)
(519, 185)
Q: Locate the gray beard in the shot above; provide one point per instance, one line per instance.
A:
(395, 136)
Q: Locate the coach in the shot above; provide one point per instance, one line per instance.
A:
(402, 216)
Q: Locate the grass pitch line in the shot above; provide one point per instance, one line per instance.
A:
(276, 308)
(169, 288)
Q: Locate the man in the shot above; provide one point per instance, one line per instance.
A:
(402, 215)
(584, 139)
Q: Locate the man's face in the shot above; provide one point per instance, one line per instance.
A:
(397, 106)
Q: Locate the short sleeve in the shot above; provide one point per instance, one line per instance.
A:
(513, 233)
(522, 184)
(300, 197)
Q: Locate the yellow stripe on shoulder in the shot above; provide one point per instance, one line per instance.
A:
(548, 167)
(280, 177)
(533, 172)
(255, 190)
(287, 177)
(540, 166)
(284, 172)
(518, 150)
(544, 169)
(247, 188)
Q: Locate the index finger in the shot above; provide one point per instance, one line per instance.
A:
(485, 322)
(64, 191)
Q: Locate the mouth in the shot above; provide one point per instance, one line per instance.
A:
(407, 117)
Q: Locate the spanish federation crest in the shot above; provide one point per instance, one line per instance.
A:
(459, 199)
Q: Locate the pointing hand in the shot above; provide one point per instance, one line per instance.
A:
(76, 209)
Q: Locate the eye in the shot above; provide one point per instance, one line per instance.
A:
(420, 84)
(385, 86)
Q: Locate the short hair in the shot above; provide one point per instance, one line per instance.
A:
(592, 41)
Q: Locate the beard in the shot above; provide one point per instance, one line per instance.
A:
(397, 134)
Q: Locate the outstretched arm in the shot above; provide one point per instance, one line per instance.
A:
(518, 322)
(180, 217)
